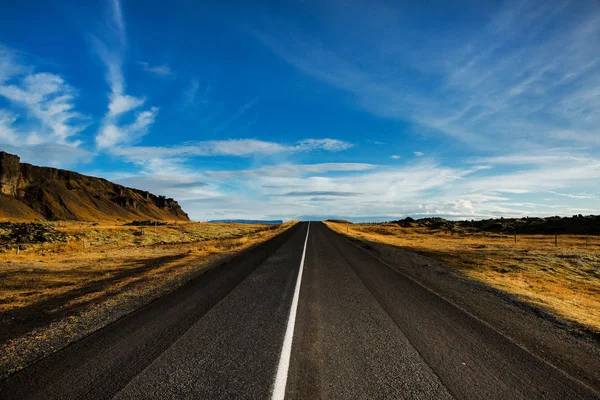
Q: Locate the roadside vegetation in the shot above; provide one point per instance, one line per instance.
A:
(560, 273)
(63, 280)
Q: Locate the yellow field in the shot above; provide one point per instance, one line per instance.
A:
(565, 279)
(53, 293)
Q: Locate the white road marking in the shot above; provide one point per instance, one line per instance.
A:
(286, 351)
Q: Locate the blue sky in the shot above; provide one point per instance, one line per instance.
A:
(315, 108)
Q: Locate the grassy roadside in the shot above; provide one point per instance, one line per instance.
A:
(86, 276)
(564, 280)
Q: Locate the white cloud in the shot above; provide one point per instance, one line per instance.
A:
(395, 157)
(111, 135)
(288, 170)
(10, 66)
(181, 186)
(161, 157)
(545, 156)
(122, 103)
(418, 153)
(49, 154)
(426, 188)
(575, 195)
(117, 22)
(48, 104)
(157, 70)
(42, 125)
(325, 144)
(239, 147)
(8, 135)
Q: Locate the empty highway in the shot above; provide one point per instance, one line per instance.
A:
(307, 315)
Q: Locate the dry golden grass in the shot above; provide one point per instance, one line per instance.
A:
(564, 280)
(53, 293)
(99, 253)
(113, 254)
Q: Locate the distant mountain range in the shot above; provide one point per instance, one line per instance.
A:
(248, 221)
(29, 192)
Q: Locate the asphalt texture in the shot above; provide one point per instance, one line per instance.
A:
(362, 331)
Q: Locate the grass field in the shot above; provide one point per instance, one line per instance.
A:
(563, 279)
(55, 292)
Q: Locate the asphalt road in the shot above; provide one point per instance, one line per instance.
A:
(347, 327)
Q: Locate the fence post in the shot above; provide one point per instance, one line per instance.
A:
(18, 248)
(556, 240)
(515, 235)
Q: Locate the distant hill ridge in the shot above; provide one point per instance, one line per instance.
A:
(29, 192)
(575, 225)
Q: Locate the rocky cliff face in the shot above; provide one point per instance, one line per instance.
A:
(9, 173)
(28, 191)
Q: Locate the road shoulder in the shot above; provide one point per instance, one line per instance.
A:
(532, 328)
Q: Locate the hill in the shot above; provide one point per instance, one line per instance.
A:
(575, 225)
(29, 192)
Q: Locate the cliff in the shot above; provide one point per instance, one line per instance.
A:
(31, 192)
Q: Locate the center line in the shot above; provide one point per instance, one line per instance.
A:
(286, 351)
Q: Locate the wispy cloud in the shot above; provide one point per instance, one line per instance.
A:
(46, 99)
(289, 170)
(318, 194)
(111, 50)
(418, 189)
(50, 154)
(236, 115)
(530, 71)
(112, 134)
(8, 135)
(182, 186)
(156, 70)
(544, 156)
(10, 65)
(190, 93)
(42, 111)
(151, 157)
(575, 195)
(513, 94)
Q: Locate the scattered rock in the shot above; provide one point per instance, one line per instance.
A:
(21, 233)
(146, 222)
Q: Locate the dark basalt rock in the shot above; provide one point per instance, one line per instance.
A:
(18, 233)
(575, 225)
